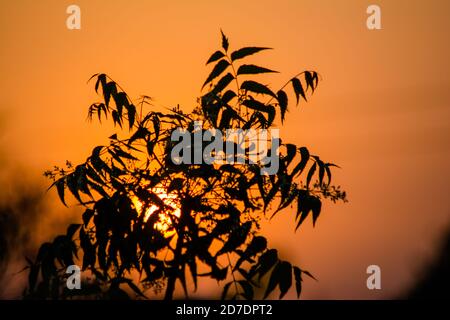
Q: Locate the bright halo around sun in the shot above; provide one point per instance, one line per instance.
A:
(164, 221)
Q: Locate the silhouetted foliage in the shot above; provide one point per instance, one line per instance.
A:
(202, 216)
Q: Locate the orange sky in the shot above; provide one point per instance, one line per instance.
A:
(381, 111)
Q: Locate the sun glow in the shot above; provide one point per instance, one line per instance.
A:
(164, 222)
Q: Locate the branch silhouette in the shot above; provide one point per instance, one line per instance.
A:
(151, 219)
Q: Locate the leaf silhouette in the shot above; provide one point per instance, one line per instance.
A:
(274, 280)
(146, 215)
(257, 87)
(246, 51)
(298, 89)
(311, 172)
(298, 280)
(217, 71)
(285, 281)
(252, 69)
(283, 102)
(215, 56)
(225, 43)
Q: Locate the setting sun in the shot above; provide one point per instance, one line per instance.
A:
(202, 150)
(164, 221)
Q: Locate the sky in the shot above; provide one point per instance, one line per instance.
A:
(381, 110)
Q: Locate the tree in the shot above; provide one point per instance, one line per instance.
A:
(150, 222)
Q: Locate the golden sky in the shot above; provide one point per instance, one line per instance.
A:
(381, 111)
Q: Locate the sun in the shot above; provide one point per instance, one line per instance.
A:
(164, 222)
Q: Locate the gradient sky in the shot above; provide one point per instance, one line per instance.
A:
(381, 111)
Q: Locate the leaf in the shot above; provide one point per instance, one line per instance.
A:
(71, 229)
(116, 118)
(33, 276)
(99, 189)
(252, 69)
(257, 245)
(321, 168)
(141, 133)
(283, 102)
(321, 171)
(273, 281)
(101, 79)
(72, 183)
(87, 216)
(246, 51)
(175, 184)
(256, 105)
(316, 207)
(218, 273)
(215, 56)
(315, 79)
(291, 150)
(108, 90)
(116, 157)
(60, 186)
(227, 96)
(303, 207)
(236, 238)
(227, 116)
(224, 41)
(217, 71)
(298, 89)
(248, 289)
(82, 181)
(266, 262)
(98, 164)
(121, 101)
(257, 87)
(89, 256)
(131, 115)
(285, 277)
(309, 81)
(304, 153)
(225, 290)
(309, 274)
(298, 280)
(328, 171)
(223, 83)
(310, 174)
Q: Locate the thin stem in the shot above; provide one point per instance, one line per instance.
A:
(298, 74)
(237, 85)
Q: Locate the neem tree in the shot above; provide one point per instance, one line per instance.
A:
(149, 223)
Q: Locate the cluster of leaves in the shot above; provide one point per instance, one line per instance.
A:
(212, 221)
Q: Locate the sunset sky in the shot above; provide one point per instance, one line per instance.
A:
(381, 112)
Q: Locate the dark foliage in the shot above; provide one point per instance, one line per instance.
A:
(203, 216)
